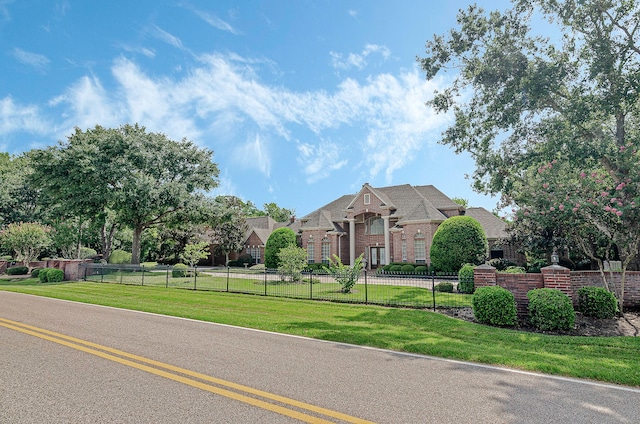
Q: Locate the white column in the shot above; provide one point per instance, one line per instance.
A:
(352, 241)
(387, 246)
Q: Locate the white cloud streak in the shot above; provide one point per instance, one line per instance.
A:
(35, 60)
(358, 60)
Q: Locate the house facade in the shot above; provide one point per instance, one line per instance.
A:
(386, 224)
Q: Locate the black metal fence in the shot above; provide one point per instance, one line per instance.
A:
(414, 291)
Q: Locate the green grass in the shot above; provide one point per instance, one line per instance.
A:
(607, 359)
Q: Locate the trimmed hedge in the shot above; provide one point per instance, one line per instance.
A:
(597, 302)
(444, 287)
(495, 305)
(18, 270)
(51, 275)
(465, 279)
(457, 241)
(550, 309)
(179, 271)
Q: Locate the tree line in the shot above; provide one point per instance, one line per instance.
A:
(122, 188)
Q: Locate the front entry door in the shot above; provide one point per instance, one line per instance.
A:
(377, 257)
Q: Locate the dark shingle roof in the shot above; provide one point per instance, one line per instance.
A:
(494, 227)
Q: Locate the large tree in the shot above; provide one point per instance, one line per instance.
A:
(522, 101)
(228, 226)
(137, 178)
(19, 200)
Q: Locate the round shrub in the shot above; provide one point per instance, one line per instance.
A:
(458, 240)
(550, 309)
(55, 275)
(120, 257)
(245, 258)
(395, 268)
(179, 271)
(35, 272)
(407, 269)
(280, 238)
(87, 252)
(495, 306)
(42, 275)
(597, 302)
(465, 279)
(18, 270)
(421, 269)
(444, 287)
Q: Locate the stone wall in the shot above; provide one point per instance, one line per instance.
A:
(71, 267)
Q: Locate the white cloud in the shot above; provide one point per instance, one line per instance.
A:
(167, 37)
(216, 22)
(19, 118)
(254, 154)
(358, 60)
(38, 61)
(319, 161)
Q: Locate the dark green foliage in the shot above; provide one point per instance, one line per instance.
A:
(444, 287)
(514, 270)
(395, 268)
(465, 279)
(42, 275)
(407, 269)
(458, 240)
(18, 270)
(55, 275)
(421, 269)
(245, 258)
(120, 257)
(35, 272)
(179, 271)
(495, 306)
(550, 309)
(597, 302)
(500, 264)
(282, 237)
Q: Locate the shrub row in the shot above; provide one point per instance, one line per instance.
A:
(18, 270)
(549, 309)
(405, 268)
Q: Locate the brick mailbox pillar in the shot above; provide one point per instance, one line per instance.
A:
(557, 277)
(484, 275)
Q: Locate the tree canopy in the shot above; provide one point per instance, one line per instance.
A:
(457, 241)
(143, 179)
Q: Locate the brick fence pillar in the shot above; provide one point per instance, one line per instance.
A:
(484, 275)
(557, 277)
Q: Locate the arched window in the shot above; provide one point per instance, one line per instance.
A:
(311, 250)
(375, 226)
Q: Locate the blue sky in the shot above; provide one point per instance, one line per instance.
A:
(301, 101)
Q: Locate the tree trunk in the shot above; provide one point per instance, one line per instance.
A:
(107, 240)
(135, 245)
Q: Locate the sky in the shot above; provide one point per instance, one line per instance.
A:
(301, 101)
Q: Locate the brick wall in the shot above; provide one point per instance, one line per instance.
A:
(557, 277)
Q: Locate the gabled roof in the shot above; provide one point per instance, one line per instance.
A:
(327, 217)
(263, 226)
(494, 227)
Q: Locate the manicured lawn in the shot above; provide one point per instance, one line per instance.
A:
(608, 359)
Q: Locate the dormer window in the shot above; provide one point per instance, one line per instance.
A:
(367, 199)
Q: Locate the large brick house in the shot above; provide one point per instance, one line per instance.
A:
(387, 224)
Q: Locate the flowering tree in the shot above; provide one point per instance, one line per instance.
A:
(26, 239)
(596, 210)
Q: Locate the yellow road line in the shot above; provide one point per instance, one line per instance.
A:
(89, 347)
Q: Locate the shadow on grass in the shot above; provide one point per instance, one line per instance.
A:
(8, 281)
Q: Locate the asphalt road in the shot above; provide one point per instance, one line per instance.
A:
(65, 362)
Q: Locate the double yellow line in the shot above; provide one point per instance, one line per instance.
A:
(279, 404)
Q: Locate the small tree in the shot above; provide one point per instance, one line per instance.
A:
(26, 239)
(194, 252)
(345, 275)
(293, 259)
(457, 241)
(279, 239)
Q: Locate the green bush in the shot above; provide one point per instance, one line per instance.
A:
(245, 258)
(87, 252)
(495, 306)
(444, 287)
(120, 257)
(55, 275)
(42, 275)
(458, 240)
(179, 271)
(35, 272)
(421, 269)
(407, 269)
(597, 302)
(465, 279)
(282, 237)
(395, 268)
(18, 270)
(514, 270)
(550, 309)
(500, 264)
